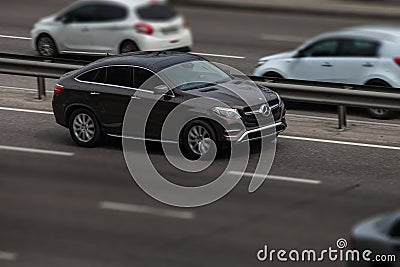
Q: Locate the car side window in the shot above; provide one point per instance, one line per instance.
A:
(96, 76)
(146, 80)
(105, 13)
(359, 48)
(89, 76)
(326, 48)
(81, 14)
(119, 76)
(96, 13)
(395, 231)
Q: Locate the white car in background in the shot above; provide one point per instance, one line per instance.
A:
(360, 55)
(100, 27)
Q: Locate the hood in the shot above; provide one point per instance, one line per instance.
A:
(279, 56)
(48, 19)
(237, 94)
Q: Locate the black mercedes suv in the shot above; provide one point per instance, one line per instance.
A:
(92, 101)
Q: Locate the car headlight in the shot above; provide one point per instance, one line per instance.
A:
(228, 113)
(261, 62)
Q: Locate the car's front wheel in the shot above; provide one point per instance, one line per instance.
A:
(46, 46)
(85, 129)
(198, 139)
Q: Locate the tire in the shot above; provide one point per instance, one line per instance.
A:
(85, 129)
(273, 75)
(196, 139)
(381, 113)
(128, 46)
(46, 46)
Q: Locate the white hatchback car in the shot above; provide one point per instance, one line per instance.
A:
(360, 55)
(100, 27)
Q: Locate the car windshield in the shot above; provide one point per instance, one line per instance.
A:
(195, 74)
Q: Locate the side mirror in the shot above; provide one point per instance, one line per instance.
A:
(299, 54)
(63, 19)
(161, 89)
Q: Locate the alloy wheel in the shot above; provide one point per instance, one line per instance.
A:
(46, 47)
(199, 140)
(84, 128)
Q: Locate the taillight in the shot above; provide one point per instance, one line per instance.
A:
(144, 28)
(397, 60)
(58, 89)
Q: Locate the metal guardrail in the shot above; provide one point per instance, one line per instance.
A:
(39, 67)
(340, 95)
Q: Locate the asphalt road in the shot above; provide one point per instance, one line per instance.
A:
(63, 205)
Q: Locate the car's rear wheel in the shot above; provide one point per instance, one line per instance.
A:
(85, 129)
(380, 113)
(46, 46)
(128, 46)
(197, 139)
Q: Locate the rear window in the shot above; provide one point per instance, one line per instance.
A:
(156, 12)
(359, 48)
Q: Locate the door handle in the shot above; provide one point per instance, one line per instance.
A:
(136, 97)
(326, 64)
(94, 93)
(368, 65)
(85, 29)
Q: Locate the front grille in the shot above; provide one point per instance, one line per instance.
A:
(252, 118)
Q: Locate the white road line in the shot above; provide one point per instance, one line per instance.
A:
(338, 142)
(8, 256)
(17, 88)
(217, 55)
(27, 110)
(21, 89)
(186, 215)
(283, 38)
(37, 151)
(15, 37)
(351, 121)
(277, 178)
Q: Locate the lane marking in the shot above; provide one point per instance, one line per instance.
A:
(217, 55)
(200, 54)
(27, 110)
(15, 37)
(8, 256)
(283, 38)
(351, 121)
(185, 215)
(36, 151)
(22, 89)
(277, 178)
(338, 142)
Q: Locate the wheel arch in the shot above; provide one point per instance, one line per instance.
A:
(49, 35)
(215, 125)
(73, 107)
(274, 74)
(377, 80)
(123, 40)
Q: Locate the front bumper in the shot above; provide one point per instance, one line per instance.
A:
(270, 130)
